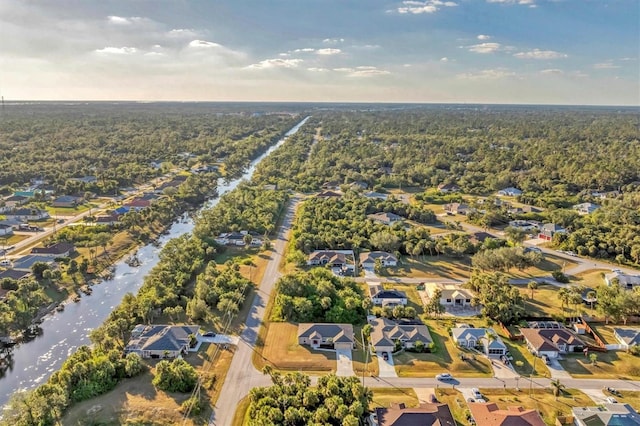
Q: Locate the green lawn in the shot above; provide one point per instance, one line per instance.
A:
(610, 365)
(384, 397)
(432, 267)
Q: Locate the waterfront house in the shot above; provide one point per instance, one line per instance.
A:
(162, 341)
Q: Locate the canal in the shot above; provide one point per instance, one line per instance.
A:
(63, 332)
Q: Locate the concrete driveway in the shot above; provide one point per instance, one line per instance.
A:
(345, 363)
(221, 339)
(386, 367)
(596, 395)
(369, 273)
(556, 370)
(502, 371)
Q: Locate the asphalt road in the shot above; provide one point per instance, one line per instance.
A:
(242, 376)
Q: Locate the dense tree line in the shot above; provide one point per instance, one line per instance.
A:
(117, 145)
(248, 207)
(318, 296)
(291, 400)
(500, 300)
(21, 304)
(504, 258)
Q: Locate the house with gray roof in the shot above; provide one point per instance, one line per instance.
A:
(606, 415)
(161, 341)
(326, 336)
(586, 208)
(25, 263)
(368, 259)
(627, 336)
(548, 230)
(382, 297)
(627, 281)
(484, 339)
(385, 218)
(426, 414)
(385, 333)
(510, 192)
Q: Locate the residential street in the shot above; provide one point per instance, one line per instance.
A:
(242, 376)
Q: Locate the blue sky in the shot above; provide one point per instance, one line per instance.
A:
(486, 51)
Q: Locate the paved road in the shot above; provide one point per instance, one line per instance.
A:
(242, 376)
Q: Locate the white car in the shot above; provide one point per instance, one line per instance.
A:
(476, 393)
(444, 376)
(612, 400)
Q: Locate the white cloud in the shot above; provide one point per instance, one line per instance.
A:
(328, 51)
(483, 37)
(313, 69)
(540, 54)
(427, 6)
(203, 44)
(333, 40)
(530, 3)
(555, 71)
(489, 74)
(305, 50)
(182, 32)
(445, 59)
(362, 71)
(606, 66)
(485, 47)
(117, 50)
(276, 63)
(120, 20)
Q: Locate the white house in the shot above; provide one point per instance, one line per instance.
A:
(586, 208)
(627, 281)
(627, 336)
(452, 295)
(524, 225)
(368, 259)
(485, 339)
(328, 336)
(5, 230)
(510, 192)
(386, 218)
(161, 341)
(380, 296)
(606, 414)
(343, 259)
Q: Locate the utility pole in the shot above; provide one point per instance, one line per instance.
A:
(531, 376)
(365, 347)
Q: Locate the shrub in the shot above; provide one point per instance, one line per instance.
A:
(560, 277)
(193, 406)
(175, 376)
(634, 350)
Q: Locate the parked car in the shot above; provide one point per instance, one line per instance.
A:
(6, 263)
(385, 356)
(612, 400)
(209, 334)
(471, 400)
(433, 399)
(444, 376)
(546, 359)
(482, 400)
(476, 393)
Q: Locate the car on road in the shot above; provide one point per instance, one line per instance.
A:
(476, 393)
(444, 377)
(611, 400)
(209, 334)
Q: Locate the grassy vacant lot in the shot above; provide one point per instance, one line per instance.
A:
(610, 365)
(70, 211)
(13, 239)
(519, 352)
(446, 357)
(591, 278)
(545, 300)
(137, 401)
(432, 267)
(549, 264)
(282, 351)
(629, 397)
(384, 397)
(540, 399)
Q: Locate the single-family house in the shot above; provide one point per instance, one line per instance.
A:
(204, 168)
(488, 414)
(5, 230)
(551, 341)
(448, 187)
(109, 219)
(66, 201)
(509, 192)
(26, 214)
(627, 336)
(606, 415)
(16, 200)
(359, 185)
(232, 238)
(426, 414)
(25, 263)
(15, 274)
(586, 208)
(385, 218)
(61, 249)
(605, 194)
(138, 203)
(451, 295)
(326, 336)
(385, 333)
(162, 341)
(376, 195)
(331, 185)
(627, 281)
(524, 225)
(329, 194)
(485, 339)
(368, 259)
(548, 230)
(381, 297)
(457, 208)
(343, 259)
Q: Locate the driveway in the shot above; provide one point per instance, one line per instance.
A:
(596, 395)
(345, 364)
(221, 339)
(386, 367)
(556, 370)
(369, 273)
(502, 371)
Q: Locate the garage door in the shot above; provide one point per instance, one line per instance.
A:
(343, 346)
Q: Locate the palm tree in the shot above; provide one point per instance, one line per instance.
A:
(557, 388)
(564, 296)
(533, 285)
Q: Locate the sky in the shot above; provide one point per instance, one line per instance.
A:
(576, 52)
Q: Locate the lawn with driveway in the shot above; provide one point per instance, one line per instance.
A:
(446, 357)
